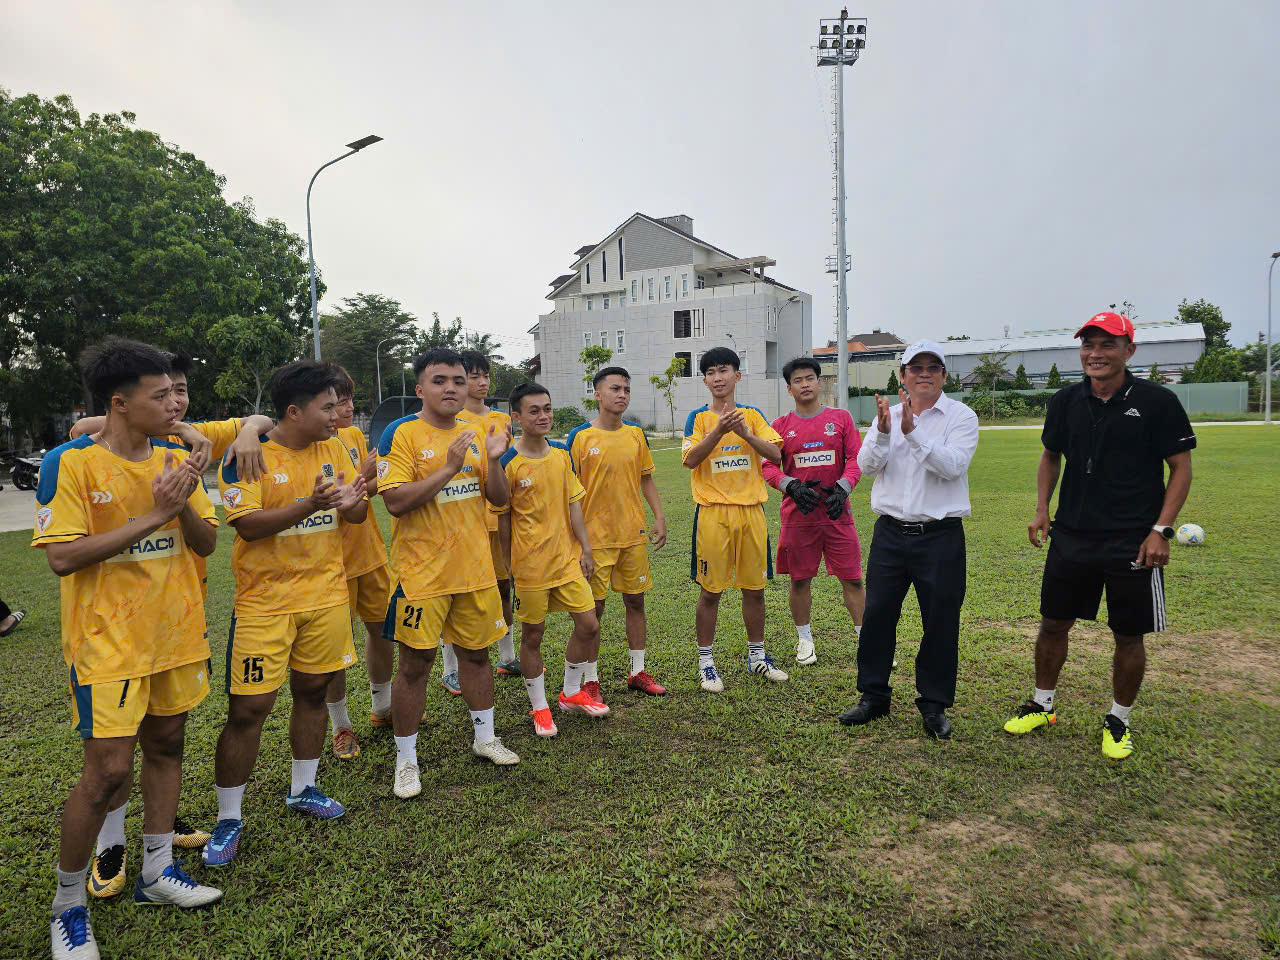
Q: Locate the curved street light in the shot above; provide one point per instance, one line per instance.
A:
(353, 147)
(1267, 369)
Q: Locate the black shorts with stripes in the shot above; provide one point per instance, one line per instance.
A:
(1078, 568)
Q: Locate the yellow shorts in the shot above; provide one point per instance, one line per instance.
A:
(499, 557)
(369, 594)
(625, 569)
(261, 650)
(532, 606)
(730, 548)
(116, 708)
(469, 620)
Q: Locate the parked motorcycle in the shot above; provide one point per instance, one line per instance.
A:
(26, 471)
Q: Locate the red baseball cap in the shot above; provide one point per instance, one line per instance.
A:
(1116, 324)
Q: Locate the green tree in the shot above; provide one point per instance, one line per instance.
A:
(992, 370)
(1210, 317)
(248, 350)
(1155, 376)
(484, 343)
(1020, 379)
(963, 336)
(440, 334)
(892, 387)
(593, 358)
(1223, 365)
(952, 384)
(368, 333)
(1054, 381)
(667, 383)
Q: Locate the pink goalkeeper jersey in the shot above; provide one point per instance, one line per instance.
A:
(824, 448)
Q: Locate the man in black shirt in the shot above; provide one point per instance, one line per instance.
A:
(1114, 522)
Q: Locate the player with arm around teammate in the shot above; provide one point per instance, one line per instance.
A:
(819, 470)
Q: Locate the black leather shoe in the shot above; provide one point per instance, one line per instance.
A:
(864, 712)
(937, 725)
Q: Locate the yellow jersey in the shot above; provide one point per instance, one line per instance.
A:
(481, 422)
(609, 464)
(221, 433)
(363, 548)
(441, 547)
(544, 552)
(300, 568)
(731, 472)
(140, 612)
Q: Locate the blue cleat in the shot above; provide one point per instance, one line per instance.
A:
(315, 804)
(450, 682)
(223, 846)
(175, 887)
(71, 936)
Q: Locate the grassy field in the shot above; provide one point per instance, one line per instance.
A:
(751, 824)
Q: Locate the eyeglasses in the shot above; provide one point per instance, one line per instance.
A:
(919, 368)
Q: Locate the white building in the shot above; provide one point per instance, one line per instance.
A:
(651, 291)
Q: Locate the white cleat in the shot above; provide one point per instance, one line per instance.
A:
(176, 888)
(805, 654)
(71, 936)
(495, 752)
(408, 783)
(711, 681)
(765, 667)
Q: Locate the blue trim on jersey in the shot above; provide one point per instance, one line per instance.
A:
(507, 457)
(84, 706)
(568, 442)
(48, 484)
(693, 548)
(169, 446)
(559, 444)
(393, 610)
(747, 406)
(231, 643)
(768, 545)
(632, 423)
(384, 442)
(229, 473)
(693, 416)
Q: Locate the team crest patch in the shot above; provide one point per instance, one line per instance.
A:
(384, 467)
(232, 496)
(44, 517)
(829, 429)
(355, 456)
(327, 469)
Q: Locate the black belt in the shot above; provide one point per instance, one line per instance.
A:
(914, 529)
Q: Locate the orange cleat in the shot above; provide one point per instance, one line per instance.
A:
(592, 688)
(646, 684)
(377, 720)
(345, 745)
(543, 725)
(581, 702)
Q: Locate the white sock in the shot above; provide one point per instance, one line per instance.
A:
(338, 715)
(506, 647)
(537, 690)
(805, 631)
(589, 672)
(637, 661)
(1044, 697)
(705, 659)
(755, 651)
(1121, 713)
(573, 677)
(112, 831)
(407, 749)
(72, 891)
(450, 662)
(482, 721)
(304, 775)
(381, 696)
(157, 854)
(857, 627)
(229, 799)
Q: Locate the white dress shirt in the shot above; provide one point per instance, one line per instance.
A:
(922, 475)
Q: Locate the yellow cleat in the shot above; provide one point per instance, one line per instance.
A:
(1030, 716)
(345, 745)
(187, 836)
(106, 875)
(1116, 741)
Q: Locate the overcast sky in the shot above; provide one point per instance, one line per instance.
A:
(1024, 162)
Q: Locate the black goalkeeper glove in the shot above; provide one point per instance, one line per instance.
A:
(802, 495)
(834, 501)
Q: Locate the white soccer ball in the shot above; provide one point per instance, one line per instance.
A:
(1191, 534)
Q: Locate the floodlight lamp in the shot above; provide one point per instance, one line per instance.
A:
(850, 44)
(822, 44)
(862, 28)
(849, 29)
(823, 29)
(364, 142)
(861, 44)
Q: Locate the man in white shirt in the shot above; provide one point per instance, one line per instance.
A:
(919, 453)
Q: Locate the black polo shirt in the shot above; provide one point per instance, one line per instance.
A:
(1113, 480)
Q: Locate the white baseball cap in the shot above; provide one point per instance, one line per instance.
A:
(924, 346)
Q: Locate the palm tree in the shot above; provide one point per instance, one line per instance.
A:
(484, 343)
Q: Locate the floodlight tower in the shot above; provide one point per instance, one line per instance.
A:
(840, 44)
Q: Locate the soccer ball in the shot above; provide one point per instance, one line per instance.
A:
(1190, 535)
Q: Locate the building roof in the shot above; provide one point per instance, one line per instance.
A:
(878, 338)
(855, 346)
(562, 279)
(1154, 333)
(584, 250)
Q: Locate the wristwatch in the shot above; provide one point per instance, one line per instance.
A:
(1166, 532)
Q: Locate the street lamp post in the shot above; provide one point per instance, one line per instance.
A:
(1267, 370)
(377, 361)
(353, 147)
(794, 298)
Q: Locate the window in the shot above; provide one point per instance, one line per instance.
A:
(590, 304)
(688, 363)
(651, 289)
(606, 301)
(635, 295)
(773, 319)
(604, 267)
(701, 283)
(682, 326)
(620, 270)
(587, 388)
(622, 343)
(588, 273)
(666, 287)
(697, 362)
(699, 322)
(771, 361)
(742, 363)
(604, 338)
(684, 284)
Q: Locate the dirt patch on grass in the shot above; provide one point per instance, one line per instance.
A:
(1227, 663)
(717, 894)
(937, 858)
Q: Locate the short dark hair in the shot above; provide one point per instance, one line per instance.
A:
(115, 362)
(473, 360)
(609, 372)
(345, 387)
(801, 363)
(718, 356)
(437, 357)
(297, 383)
(526, 390)
(178, 362)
